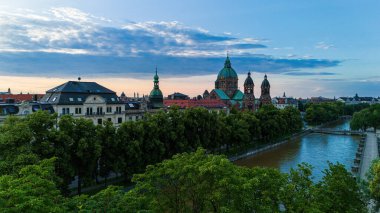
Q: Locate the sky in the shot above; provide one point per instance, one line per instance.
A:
(307, 48)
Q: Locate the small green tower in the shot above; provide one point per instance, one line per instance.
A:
(156, 99)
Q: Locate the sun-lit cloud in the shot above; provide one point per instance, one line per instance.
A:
(67, 41)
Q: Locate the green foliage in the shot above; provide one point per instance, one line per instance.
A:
(368, 117)
(374, 180)
(339, 192)
(85, 147)
(323, 112)
(32, 189)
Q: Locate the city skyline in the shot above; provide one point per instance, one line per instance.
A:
(307, 49)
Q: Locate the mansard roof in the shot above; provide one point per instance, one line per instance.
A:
(80, 87)
(76, 93)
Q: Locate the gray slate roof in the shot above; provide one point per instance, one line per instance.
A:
(76, 93)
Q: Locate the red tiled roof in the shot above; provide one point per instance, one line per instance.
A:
(20, 97)
(207, 103)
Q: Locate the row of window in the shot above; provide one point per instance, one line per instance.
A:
(89, 110)
(79, 99)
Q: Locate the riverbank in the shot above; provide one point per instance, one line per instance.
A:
(255, 151)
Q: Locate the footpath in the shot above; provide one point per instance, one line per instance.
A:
(370, 153)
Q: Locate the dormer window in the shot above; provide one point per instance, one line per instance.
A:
(55, 98)
(79, 99)
(112, 99)
(71, 99)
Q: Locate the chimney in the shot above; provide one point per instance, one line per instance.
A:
(9, 90)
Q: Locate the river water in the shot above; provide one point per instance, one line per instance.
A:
(314, 149)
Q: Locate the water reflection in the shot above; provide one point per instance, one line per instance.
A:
(315, 149)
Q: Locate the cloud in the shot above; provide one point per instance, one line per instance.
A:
(324, 45)
(309, 73)
(67, 41)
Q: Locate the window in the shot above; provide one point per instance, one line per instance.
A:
(109, 119)
(94, 98)
(112, 99)
(79, 99)
(78, 110)
(65, 111)
(99, 110)
(71, 99)
(130, 118)
(109, 109)
(89, 111)
(55, 98)
(119, 120)
(100, 121)
(118, 110)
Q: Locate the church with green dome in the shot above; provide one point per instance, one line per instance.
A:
(156, 99)
(227, 90)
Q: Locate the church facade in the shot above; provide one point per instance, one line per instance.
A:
(227, 90)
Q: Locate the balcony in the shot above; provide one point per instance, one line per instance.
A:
(95, 114)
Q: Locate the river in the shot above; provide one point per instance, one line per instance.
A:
(314, 149)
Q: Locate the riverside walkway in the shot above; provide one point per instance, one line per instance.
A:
(370, 153)
(336, 132)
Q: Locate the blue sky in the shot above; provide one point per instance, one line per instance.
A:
(307, 48)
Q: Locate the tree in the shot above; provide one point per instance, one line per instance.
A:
(298, 193)
(338, 191)
(85, 147)
(108, 159)
(130, 136)
(40, 125)
(195, 182)
(31, 190)
(374, 180)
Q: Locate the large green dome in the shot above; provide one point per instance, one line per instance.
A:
(155, 92)
(227, 71)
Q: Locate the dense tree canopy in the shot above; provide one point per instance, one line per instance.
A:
(39, 157)
(369, 117)
(324, 112)
(201, 182)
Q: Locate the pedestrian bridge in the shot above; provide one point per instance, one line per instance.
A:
(337, 132)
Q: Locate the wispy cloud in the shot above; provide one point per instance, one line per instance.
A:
(63, 41)
(309, 73)
(323, 45)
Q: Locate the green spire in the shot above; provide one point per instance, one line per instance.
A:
(227, 63)
(156, 81)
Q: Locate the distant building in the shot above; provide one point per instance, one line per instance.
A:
(178, 96)
(86, 99)
(320, 99)
(282, 102)
(226, 87)
(18, 98)
(206, 94)
(249, 95)
(265, 92)
(6, 93)
(156, 98)
(357, 100)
